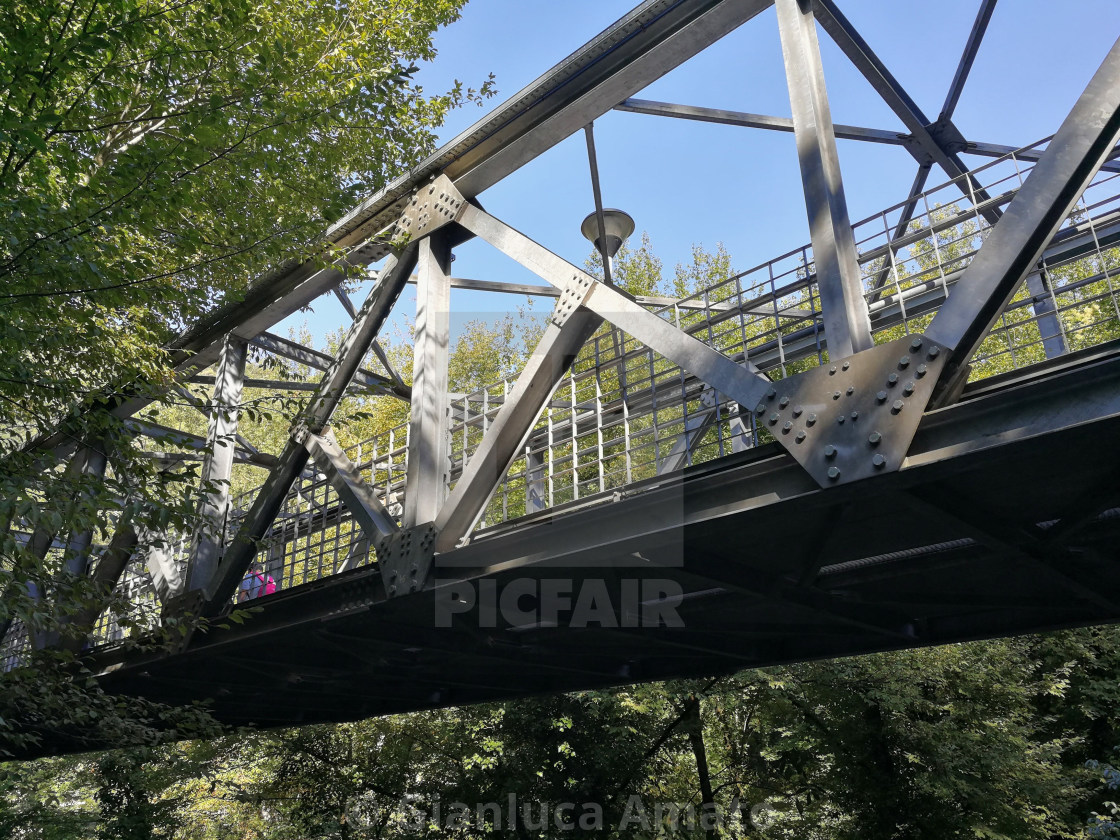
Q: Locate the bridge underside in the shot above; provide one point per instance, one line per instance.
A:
(918, 511)
(1001, 522)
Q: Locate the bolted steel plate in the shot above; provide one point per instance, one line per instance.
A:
(854, 418)
(430, 208)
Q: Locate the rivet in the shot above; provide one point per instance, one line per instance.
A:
(892, 380)
(832, 370)
(760, 409)
(840, 419)
(855, 415)
(874, 438)
(770, 394)
(915, 345)
(797, 411)
(846, 365)
(897, 406)
(810, 420)
(788, 425)
(783, 402)
(904, 362)
(830, 451)
(921, 370)
(908, 388)
(879, 460)
(800, 436)
(851, 390)
(933, 351)
(833, 473)
(836, 395)
(881, 396)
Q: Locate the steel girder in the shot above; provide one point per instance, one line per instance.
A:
(650, 41)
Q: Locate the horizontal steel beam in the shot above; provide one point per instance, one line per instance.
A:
(321, 361)
(843, 132)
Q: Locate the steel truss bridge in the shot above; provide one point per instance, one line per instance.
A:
(897, 435)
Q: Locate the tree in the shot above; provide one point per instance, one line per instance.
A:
(154, 157)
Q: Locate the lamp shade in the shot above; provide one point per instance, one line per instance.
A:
(618, 225)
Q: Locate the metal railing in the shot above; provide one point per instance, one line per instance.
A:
(623, 413)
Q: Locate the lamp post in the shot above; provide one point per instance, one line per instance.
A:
(607, 229)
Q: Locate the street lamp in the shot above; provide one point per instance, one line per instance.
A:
(618, 226)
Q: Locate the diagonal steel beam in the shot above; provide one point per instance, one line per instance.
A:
(927, 138)
(378, 350)
(964, 66)
(291, 461)
(359, 498)
(952, 96)
(746, 384)
(110, 566)
(1014, 246)
(510, 429)
(846, 323)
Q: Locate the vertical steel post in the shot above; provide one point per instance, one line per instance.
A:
(846, 322)
(429, 451)
(217, 465)
(291, 461)
(535, 494)
(76, 562)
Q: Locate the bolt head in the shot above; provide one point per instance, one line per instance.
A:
(874, 438)
(881, 396)
(851, 390)
(760, 409)
(788, 425)
(904, 362)
(855, 415)
(774, 418)
(915, 345)
(832, 370)
(836, 395)
(833, 473)
(797, 411)
(908, 388)
(879, 461)
(921, 370)
(810, 420)
(846, 365)
(783, 402)
(897, 406)
(840, 419)
(830, 451)
(892, 380)
(800, 436)
(771, 393)
(933, 351)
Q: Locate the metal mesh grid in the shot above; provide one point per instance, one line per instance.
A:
(623, 413)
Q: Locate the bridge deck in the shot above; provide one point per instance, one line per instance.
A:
(987, 531)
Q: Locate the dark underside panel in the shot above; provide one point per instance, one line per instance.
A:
(1004, 521)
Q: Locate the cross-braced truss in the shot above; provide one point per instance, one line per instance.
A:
(795, 451)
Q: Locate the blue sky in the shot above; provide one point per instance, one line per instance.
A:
(687, 182)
